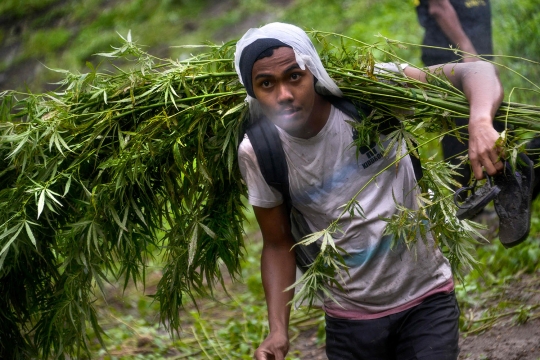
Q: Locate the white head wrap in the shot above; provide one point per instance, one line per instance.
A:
(305, 52)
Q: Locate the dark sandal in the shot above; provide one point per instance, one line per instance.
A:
(478, 199)
(513, 203)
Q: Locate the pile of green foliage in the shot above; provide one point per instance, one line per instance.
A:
(119, 165)
(97, 176)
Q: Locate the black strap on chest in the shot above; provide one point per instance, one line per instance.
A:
(264, 138)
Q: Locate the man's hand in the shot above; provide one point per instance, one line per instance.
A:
(484, 153)
(274, 347)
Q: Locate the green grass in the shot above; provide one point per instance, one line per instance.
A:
(93, 26)
(500, 290)
(20, 8)
(46, 42)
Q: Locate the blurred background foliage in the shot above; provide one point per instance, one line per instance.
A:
(66, 34)
(38, 35)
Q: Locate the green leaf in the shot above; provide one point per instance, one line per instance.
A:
(30, 234)
(193, 245)
(18, 228)
(51, 194)
(68, 184)
(235, 109)
(137, 211)
(208, 231)
(311, 238)
(41, 202)
(117, 219)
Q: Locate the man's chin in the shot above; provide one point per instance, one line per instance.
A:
(293, 121)
(296, 131)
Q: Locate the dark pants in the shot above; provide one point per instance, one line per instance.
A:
(453, 148)
(427, 331)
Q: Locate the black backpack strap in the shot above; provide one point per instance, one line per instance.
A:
(264, 138)
(357, 111)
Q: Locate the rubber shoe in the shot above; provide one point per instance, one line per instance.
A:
(533, 150)
(513, 203)
(478, 199)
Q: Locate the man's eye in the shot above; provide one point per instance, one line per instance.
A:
(265, 83)
(295, 76)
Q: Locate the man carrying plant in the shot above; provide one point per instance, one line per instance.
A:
(393, 303)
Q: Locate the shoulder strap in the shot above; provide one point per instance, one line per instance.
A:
(357, 111)
(264, 138)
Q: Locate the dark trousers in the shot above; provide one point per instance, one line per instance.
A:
(453, 148)
(428, 331)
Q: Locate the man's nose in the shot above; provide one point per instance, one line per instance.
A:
(284, 93)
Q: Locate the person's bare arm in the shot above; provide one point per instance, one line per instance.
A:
(482, 87)
(278, 270)
(446, 17)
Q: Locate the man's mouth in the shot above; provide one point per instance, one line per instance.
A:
(287, 113)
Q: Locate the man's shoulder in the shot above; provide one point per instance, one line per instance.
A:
(245, 148)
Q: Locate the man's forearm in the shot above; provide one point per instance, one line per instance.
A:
(482, 87)
(278, 269)
(446, 17)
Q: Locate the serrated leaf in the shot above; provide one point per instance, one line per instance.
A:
(311, 238)
(327, 240)
(234, 109)
(137, 211)
(116, 218)
(41, 203)
(51, 194)
(208, 231)
(193, 245)
(30, 234)
(68, 185)
(8, 244)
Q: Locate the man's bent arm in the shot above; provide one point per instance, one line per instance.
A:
(278, 270)
(446, 17)
(482, 87)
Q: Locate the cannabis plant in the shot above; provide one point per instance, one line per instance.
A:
(138, 160)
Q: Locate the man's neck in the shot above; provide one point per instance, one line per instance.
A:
(319, 116)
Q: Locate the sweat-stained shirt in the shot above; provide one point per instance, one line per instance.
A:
(324, 174)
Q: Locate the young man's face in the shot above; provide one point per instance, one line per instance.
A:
(285, 91)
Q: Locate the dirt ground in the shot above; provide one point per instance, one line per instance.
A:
(499, 343)
(507, 340)
(503, 341)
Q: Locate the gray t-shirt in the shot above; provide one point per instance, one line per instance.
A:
(324, 174)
